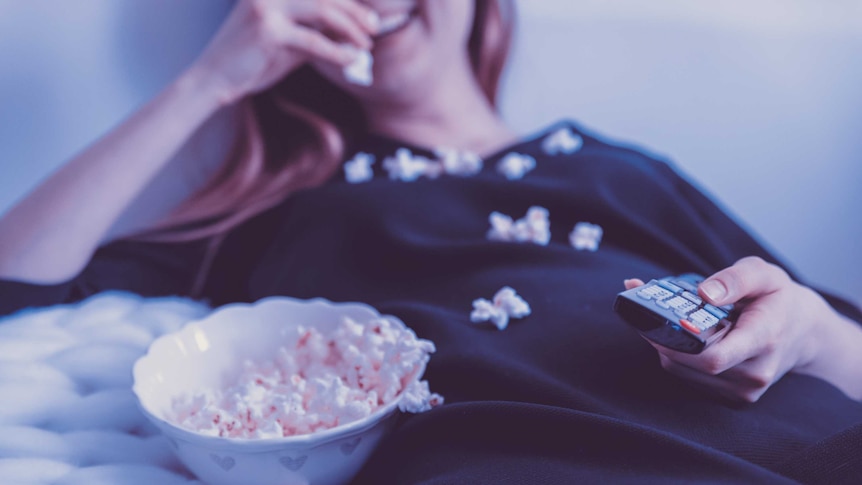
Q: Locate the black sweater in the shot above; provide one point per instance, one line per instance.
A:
(569, 394)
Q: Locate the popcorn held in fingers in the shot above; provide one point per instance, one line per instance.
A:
(586, 236)
(535, 227)
(315, 382)
(460, 163)
(406, 167)
(505, 306)
(358, 169)
(360, 71)
(562, 141)
(514, 165)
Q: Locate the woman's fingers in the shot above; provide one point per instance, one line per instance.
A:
(633, 283)
(315, 44)
(751, 336)
(343, 19)
(779, 330)
(361, 14)
(338, 22)
(750, 277)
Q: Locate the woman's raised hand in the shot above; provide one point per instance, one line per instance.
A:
(782, 327)
(263, 40)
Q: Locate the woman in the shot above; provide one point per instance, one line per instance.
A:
(569, 393)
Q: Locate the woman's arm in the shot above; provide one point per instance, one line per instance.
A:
(51, 235)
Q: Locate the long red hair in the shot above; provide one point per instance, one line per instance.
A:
(296, 134)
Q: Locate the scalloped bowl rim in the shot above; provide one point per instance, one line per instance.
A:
(265, 444)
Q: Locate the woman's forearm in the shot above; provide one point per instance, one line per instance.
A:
(51, 234)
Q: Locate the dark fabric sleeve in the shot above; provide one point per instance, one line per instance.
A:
(148, 269)
(740, 241)
(216, 270)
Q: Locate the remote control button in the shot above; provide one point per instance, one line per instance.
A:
(716, 312)
(703, 319)
(687, 285)
(692, 298)
(669, 286)
(653, 292)
(684, 310)
(692, 278)
(664, 303)
(677, 302)
(689, 326)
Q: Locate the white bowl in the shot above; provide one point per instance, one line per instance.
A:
(209, 352)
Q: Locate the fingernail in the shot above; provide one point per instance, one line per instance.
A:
(714, 290)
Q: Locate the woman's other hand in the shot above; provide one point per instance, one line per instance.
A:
(50, 236)
(782, 327)
(264, 40)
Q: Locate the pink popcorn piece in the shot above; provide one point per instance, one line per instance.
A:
(514, 166)
(505, 306)
(418, 398)
(315, 382)
(562, 141)
(535, 227)
(586, 236)
(358, 169)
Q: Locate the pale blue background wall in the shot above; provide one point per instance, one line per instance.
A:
(758, 100)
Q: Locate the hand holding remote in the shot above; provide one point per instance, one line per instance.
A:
(782, 327)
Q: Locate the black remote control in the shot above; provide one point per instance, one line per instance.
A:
(670, 313)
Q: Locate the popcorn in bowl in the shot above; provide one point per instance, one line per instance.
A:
(283, 391)
(315, 382)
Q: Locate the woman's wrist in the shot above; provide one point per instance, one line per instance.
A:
(205, 88)
(838, 358)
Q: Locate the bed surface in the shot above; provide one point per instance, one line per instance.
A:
(67, 412)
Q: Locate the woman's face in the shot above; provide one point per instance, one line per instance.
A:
(408, 61)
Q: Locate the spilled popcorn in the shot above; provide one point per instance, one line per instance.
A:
(358, 169)
(360, 70)
(460, 163)
(506, 305)
(514, 165)
(535, 227)
(406, 167)
(316, 382)
(562, 141)
(586, 236)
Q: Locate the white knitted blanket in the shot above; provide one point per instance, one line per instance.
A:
(67, 412)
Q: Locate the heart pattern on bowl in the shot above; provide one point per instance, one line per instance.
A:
(293, 464)
(349, 447)
(225, 463)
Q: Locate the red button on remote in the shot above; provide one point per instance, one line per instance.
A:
(689, 326)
